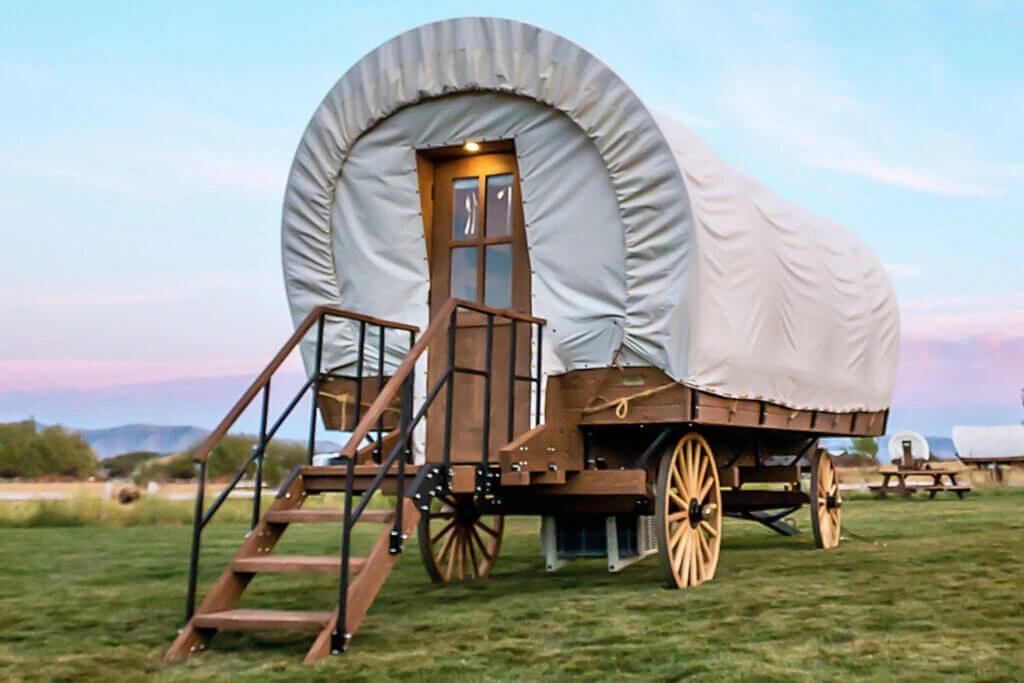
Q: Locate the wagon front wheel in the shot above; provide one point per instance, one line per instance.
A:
(826, 501)
(689, 513)
(456, 541)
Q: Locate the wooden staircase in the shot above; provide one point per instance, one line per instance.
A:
(366, 575)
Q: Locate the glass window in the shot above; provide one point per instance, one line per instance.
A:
(498, 222)
(465, 208)
(463, 282)
(498, 276)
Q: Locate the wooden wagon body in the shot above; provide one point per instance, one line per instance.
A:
(520, 292)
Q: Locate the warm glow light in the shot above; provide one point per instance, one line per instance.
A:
(472, 146)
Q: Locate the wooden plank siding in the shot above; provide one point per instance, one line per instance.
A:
(648, 396)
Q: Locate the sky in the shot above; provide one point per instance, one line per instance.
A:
(144, 149)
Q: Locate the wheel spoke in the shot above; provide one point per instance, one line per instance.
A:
(691, 465)
(450, 570)
(488, 529)
(677, 534)
(694, 561)
(676, 516)
(705, 546)
(702, 471)
(442, 532)
(446, 546)
(462, 554)
(681, 556)
(677, 500)
(706, 489)
(471, 549)
(680, 484)
(704, 524)
(483, 546)
(684, 562)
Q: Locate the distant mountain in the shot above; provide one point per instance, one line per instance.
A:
(131, 438)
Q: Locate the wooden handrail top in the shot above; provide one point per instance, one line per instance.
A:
(211, 441)
(369, 320)
(499, 312)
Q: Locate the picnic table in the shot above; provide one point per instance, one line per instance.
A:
(899, 476)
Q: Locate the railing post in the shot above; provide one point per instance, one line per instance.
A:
(378, 449)
(512, 382)
(316, 386)
(489, 359)
(339, 637)
(450, 393)
(262, 446)
(360, 360)
(540, 375)
(404, 433)
(197, 530)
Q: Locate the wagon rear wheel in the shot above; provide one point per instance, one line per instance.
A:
(456, 542)
(826, 501)
(689, 513)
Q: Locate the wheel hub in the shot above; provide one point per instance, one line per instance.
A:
(466, 512)
(697, 512)
(833, 502)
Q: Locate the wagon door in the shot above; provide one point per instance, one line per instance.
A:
(478, 253)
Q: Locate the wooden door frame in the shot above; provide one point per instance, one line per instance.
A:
(444, 171)
(437, 171)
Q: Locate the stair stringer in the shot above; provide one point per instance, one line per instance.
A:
(228, 589)
(364, 588)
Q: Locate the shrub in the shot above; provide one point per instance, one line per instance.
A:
(27, 452)
(127, 464)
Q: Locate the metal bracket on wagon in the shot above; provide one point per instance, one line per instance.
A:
(429, 482)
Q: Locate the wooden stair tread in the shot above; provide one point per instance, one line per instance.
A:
(263, 619)
(326, 516)
(295, 564)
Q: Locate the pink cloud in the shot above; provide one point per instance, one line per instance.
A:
(982, 370)
(43, 375)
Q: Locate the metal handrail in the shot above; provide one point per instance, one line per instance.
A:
(317, 314)
(435, 328)
(262, 383)
(403, 380)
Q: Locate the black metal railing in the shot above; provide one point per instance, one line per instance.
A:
(403, 381)
(261, 386)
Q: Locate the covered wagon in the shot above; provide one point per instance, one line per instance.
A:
(536, 296)
(990, 448)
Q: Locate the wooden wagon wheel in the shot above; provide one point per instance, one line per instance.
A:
(826, 500)
(689, 513)
(455, 542)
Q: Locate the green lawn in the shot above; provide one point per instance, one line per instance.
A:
(940, 595)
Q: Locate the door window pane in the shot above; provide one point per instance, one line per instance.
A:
(463, 282)
(499, 205)
(498, 276)
(465, 208)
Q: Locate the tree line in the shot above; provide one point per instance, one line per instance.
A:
(29, 452)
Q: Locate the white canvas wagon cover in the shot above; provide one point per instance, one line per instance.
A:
(645, 247)
(985, 443)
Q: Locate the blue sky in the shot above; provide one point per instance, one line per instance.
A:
(144, 150)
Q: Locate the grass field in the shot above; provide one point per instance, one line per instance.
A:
(939, 595)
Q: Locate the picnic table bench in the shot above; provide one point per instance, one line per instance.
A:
(901, 474)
